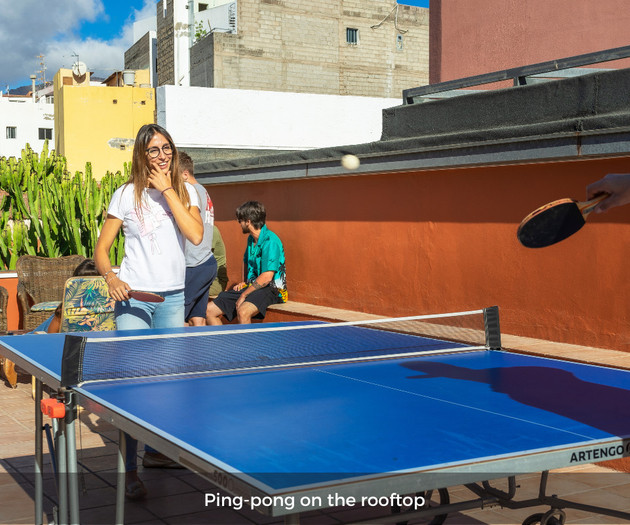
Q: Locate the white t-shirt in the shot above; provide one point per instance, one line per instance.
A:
(154, 246)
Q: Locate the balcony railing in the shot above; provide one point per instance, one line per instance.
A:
(519, 75)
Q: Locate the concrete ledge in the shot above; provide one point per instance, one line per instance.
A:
(569, 352)
(321, 312)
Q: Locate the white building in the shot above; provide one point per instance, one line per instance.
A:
(26, 120)
(243, 118)
(200, 118)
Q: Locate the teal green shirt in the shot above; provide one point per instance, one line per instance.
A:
(267, 255)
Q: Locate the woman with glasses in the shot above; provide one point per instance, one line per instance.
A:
(158, 211)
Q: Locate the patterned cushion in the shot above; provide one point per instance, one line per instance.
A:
(87, 306)
(48, 306)
(86, 322)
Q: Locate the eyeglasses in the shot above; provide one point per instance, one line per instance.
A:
(154, 152)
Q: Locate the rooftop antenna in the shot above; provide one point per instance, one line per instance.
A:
(79, 69)
(42, 70)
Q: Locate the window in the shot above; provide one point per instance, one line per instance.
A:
(11, 132)
(45, 133)
(399, 42)
(352, 36)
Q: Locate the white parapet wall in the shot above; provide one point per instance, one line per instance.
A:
(243, 119)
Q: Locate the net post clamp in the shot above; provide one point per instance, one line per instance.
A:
(53, 408)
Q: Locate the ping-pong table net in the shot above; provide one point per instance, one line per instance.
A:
(87, 358)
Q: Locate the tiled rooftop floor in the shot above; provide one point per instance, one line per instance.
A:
(177, 496)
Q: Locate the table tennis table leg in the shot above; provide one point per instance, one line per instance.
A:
(39, 455)
(120, 481)
(62, 470)
(71, 458)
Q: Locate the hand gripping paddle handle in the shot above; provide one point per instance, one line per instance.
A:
(588, 206)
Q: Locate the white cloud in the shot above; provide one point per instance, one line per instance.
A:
(147, 10)
(101, 57)
(29, 28)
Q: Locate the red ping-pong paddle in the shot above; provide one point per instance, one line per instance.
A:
(146, 297)
(555, 221)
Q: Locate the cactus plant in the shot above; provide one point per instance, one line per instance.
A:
(46, 211)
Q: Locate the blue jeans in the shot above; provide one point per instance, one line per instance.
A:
(138, 315)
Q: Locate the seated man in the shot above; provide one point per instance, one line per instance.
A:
(264, 272)
(218, 249)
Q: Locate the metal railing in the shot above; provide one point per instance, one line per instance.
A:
(517, 74)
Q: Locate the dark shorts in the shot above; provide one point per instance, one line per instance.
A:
(261, 299)
(198, 281)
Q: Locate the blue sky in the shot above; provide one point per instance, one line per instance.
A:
(419, 3)
(117, 13)
(97, 31)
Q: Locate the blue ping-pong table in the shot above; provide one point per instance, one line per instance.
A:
(380, 414)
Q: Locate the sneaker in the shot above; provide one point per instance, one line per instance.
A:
(134, 488)
(157, 460)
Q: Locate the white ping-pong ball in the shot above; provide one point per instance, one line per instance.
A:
(350, 162)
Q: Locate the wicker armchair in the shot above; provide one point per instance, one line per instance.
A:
(4, 299)
(41, 282)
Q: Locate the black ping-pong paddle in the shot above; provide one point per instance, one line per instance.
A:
(146, 297)
(555, 221)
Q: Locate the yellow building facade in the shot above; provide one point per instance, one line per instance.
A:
(98, 123)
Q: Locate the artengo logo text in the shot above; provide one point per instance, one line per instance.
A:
(599, 454)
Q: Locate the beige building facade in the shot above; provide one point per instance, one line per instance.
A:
(97, 124)
(341, 47)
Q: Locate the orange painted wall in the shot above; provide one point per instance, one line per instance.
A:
(13, 314)
(474, 37)
(440, 241)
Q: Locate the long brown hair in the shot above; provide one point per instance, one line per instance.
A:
(139, 175)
